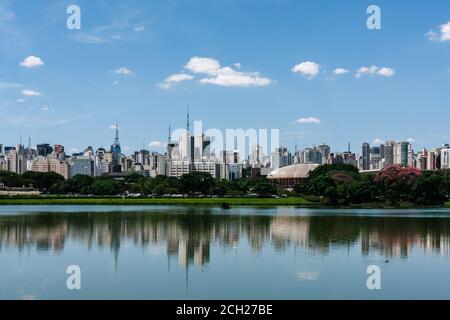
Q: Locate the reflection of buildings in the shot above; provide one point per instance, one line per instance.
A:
(189, 237)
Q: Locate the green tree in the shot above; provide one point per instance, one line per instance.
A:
(363, 190)
(11, 179)
(196, 182)
(79, 184)
(105, 187)
(43, 181)
(265, 188)
(429, 190)
(222, 187)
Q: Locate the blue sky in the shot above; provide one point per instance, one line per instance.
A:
(236, 58)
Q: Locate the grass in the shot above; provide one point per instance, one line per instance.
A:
(299, 202)
(155, 201)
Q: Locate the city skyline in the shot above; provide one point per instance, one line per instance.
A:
(131, 64)
(197, 153)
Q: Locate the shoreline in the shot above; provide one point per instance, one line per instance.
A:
(253, 202)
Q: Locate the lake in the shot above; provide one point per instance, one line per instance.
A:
(176, 252)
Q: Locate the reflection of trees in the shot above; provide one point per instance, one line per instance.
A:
(188, 236)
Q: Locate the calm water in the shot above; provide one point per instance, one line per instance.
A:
(203, 253)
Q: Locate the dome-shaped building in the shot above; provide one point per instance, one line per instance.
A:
(289, 176)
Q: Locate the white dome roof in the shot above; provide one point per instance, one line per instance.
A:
(296, 171)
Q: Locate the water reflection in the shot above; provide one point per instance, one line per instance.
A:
(188, 237)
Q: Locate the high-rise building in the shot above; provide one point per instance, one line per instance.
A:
(422, 160)
(185, 146)
(432, 160)
(116, 153)
(280, 158)
(366, 156)
(82, 165)
(16, 160)
(389, 153)
(445, 158)
(315, 154)
(402, 153)
(179, 167)
(3, 165)
(44, 149)
(324, 150)
(208, 166)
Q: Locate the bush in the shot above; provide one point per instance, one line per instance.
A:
(429, 190)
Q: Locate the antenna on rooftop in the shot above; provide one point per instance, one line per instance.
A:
(187, 119)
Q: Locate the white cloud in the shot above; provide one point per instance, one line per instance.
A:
(378, 141)
(308, 68)
(124, 71)
(5, 14)
(386, 72)
(156, 144)
(113, 127)
(340, 71)
(366, 70)
(172, 80)
(374, 70)
(31, 93)
(47, 109)
(410, 140)
(443, 35)
(237, 79)
(124, 27)
(20, 101)
(431, 35)
(139, 29)
(32, 62)
(73, 150)
(308, 120)
(87, 38)
(9, 85)
(203, 65)
(224, 76)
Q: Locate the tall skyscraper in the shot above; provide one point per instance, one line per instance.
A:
(401, 153)
(325, 152)
(116, 151)
(389, 153)
(366, 156)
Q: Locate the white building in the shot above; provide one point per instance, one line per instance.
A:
(185, 146)
(208, 166)
(445, 158)
(179, 167)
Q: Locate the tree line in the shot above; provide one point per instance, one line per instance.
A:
(336, 184)
(192, 184)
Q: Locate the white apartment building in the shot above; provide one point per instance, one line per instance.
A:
(44, 164)
(209, 166)
(16, 160)
(179, 167)
(184, 147)
(445, 158)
